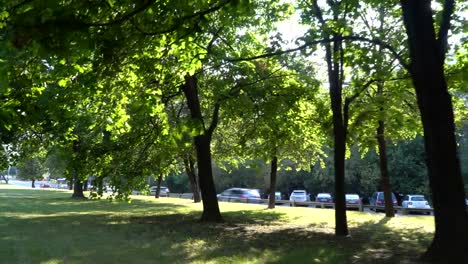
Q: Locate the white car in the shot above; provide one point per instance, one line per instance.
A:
(163, 191)
(415, 201)
(299, 196)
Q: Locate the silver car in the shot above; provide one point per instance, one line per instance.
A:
(299, 196)
(415, 201)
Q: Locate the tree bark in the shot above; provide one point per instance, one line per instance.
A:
(211, 211)
(85, 185)
(427, 71)
(77, 187)
(190, 170)
(339, 136)
(274, 169)
(385, 179)
(158, 186)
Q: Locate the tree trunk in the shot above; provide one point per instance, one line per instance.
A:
(32, 183)
(77, 187)
(211, 211)
(158, 186)
(274, 169)
(385, 179)
(190, 170)
(85, 185)
(339, 136)
(427, 71)
(70, 184)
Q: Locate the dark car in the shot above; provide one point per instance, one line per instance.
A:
(324, 198)
(377, 199)
(240, 195)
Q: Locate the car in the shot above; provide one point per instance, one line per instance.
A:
(299, 196)
(324, 198)
(240, 195)
(415, 201)
(352, 199)
(163, 191)
(377, 199)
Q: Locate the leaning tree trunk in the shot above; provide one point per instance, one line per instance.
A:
(274, 169)
(190, 170)
(211, 211)
(385, 179)
(158, 186)
(427, 71)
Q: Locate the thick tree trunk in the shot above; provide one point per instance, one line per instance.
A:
(77, 187)
(274, 169)
(190, 170)
(211, 211)
(32, 183)
(85, 185)
(158, 186)
(385, 179)
(427, 71)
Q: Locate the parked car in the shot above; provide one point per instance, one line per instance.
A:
(240, 195)
(353, 199)
(299, 196)
(377, 199)
(163, 191)
(324, 198)
(415, 201)
(45, 185)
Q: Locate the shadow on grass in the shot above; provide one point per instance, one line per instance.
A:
(161, 234)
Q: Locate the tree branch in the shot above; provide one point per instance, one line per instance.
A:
(442, 39)
(324, 41)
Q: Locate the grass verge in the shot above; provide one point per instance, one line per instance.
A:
(47, 226)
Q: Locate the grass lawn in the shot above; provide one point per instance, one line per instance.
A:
(47, 226)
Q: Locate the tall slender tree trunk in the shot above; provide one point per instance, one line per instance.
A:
(427, 71)
(211, 211)
(32, 183)
(158, 186)
(339, 137)
(77, 183)
(385, 179)
(273, 172)
(190, 170)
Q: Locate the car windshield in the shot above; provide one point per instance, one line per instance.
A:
(298, 193)
(323, 195)
(352, 196)
(418, 198)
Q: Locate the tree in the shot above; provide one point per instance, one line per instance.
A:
(30, 169)
(427, 50)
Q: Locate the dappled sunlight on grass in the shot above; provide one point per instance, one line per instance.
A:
(50, 227)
